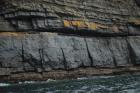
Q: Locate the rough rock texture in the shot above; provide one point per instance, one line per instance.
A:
(102, 17)
(68, 38)
(45, 52)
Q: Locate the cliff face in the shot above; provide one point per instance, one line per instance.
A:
(52, 38)
(107, 17)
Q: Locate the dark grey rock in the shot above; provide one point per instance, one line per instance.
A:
(5, 25)
(5, 71)
(119, 48)
(52, 53)
(31, 50)
(75, 51)
(99, 52)
(134, 47)
(10, 52)
(39, 52)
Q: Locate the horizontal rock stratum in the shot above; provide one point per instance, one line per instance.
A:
(107, 17)
(41, 39)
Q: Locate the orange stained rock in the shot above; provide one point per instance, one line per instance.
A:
(80, 24)
(17, 34)
(93, 26)
(135, 21)
(67, 23)
(84, 24)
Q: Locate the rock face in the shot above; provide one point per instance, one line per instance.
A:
(40, 37)
(104, 17)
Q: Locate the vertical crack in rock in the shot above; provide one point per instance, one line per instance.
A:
(114, 60)
(22, 51)
(131, 53)
(134, 45)
(64, 61)
(118, 47)
(89, 55)
(41, 53)
(49, 61)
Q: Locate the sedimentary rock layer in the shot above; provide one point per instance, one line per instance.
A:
(104, 17)
(45, 52)
(42, 39)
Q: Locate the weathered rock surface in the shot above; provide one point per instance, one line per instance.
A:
(65, 38)
(102, 17)
(134, 49)
(45, 51)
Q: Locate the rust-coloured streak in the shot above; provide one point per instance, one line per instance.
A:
(17, 34)
(84, 24)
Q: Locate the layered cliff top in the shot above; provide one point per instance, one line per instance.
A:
(106, 16)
